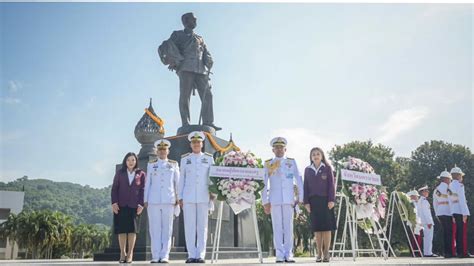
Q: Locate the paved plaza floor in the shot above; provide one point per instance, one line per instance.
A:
(299, 261)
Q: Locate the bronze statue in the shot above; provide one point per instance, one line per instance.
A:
(186, 53)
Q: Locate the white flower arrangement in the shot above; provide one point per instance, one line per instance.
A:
(238, 193)
(370, 200)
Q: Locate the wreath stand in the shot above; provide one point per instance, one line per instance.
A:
(350, 224)
(217, 236)
(395, 202)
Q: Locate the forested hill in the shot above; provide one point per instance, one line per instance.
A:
(84, 203)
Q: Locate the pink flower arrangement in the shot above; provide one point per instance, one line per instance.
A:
(365, 195)
(356, 164)
(239, 159)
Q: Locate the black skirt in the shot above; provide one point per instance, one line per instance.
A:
(322, 218)
(126, 221)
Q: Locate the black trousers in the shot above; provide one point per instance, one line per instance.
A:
(461, 235)
(447, 224)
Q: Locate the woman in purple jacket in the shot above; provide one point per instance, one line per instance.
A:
(319, 198)
(127, 204)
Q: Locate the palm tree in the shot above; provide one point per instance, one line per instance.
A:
(40, 231)
(55, 227)
(27, 231)
(100, 238)
(9, 230)
(81, 239)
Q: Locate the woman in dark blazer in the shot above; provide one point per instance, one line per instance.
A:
(127, 204)
(319, 197)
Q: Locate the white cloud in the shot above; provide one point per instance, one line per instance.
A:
(102, 167)
(14, 86)
(400, 122)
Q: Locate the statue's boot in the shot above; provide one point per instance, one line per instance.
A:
(213, 126)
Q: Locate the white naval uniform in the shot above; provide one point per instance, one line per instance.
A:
(424, 212)
(441, 203)
(161, 186)
(416, 227)
(194, 191)
(279, 192)
(458, 198)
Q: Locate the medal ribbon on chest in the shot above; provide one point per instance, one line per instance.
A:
(272, 167)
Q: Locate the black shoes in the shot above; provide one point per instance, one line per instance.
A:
(285, 260)
(190, 260)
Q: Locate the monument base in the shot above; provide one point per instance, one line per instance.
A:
(190, 128)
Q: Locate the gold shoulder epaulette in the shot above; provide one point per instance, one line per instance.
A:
(172, 161)
(268, 160)
(288, 158)
(207, 153)
(153, 160)
(184, 155)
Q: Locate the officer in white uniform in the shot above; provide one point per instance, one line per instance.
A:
(161, 187)
(414, 198)
(194, 197)
(460, 211)
(442, 208)
(278, 197)
(424, 212)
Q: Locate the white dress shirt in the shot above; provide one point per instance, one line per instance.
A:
(131, 176)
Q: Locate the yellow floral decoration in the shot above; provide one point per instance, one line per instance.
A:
(158, 120)
(219, 148)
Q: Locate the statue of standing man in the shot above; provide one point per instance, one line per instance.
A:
(186, 53)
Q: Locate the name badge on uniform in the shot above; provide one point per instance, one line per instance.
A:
(188, 161)
(204, 160)
(169, 166)
(289, 175)
(324, 176)
(155, 166)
